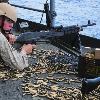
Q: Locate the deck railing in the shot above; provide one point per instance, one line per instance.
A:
(38, 10)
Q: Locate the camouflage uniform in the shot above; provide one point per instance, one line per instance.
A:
(12, 57)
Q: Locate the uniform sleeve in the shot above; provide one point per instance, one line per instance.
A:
(12, 57)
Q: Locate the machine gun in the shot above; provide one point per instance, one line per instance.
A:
(66, 38)
(89, 85)
(34, 37)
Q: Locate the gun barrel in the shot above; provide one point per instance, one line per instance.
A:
(90, 24)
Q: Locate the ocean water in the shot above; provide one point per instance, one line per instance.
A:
(69, 12)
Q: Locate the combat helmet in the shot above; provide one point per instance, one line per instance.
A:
(8, 11)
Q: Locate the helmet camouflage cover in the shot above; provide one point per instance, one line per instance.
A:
(8, 11)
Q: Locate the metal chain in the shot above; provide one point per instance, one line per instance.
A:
(41, 18)
(43, 14)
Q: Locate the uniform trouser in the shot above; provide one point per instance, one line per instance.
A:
(12, 57)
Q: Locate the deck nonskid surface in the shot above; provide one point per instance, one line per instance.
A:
(51, 77)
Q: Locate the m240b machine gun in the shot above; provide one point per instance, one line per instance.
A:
(66, 38)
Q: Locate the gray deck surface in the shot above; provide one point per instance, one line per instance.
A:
(11, 89)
